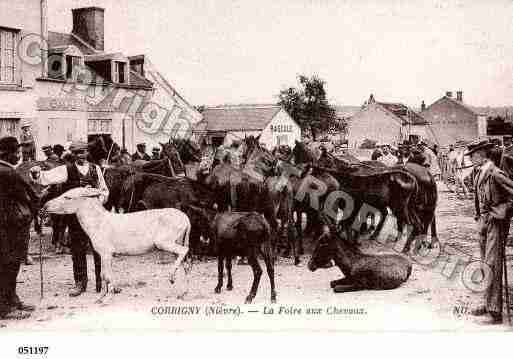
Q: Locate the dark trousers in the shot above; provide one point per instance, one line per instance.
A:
(8, 274)
(80, 243)
(493, 235)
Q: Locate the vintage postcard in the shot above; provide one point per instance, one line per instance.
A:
(270, 166)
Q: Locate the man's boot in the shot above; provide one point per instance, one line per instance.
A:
(80, 287)
(19, 305)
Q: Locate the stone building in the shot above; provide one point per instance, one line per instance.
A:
(73, 89)
(385, 123)
(452, 120)
(225, 124)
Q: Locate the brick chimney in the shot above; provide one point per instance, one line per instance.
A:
(448, 94)
(422, 106)
(88, 24)
(459, 96)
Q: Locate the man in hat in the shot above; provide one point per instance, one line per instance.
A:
(141, 154)
(18, 206)
(79, 174)
(493, 202)
(155, 153)
(388, 158)
(28, 145)
(48, 152)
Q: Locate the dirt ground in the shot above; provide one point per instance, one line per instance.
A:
(427, 301)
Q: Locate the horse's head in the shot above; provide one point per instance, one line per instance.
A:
(301, 153)
(189, 151)
(71, 201)
(324, 252)
(261, 160)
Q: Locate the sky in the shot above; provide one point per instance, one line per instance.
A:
(231, 52)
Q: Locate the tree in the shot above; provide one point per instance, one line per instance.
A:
(309, 107)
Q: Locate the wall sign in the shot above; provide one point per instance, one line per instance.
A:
(281, 128)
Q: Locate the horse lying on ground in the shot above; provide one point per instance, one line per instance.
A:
(361, 271)
(131, 234)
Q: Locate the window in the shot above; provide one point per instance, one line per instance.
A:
(9, 126)
(72, 64)
(119, 72)
(282, 140)
(99, 126)
(8, 56)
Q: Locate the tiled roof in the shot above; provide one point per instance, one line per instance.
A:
(347, 111)
(493, 112)
(231, 118)
(58, 39)
(405, 113)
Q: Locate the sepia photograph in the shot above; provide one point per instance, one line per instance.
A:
(255, 166)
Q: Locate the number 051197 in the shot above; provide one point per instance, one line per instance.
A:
(32, 350)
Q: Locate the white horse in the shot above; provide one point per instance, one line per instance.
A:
(461, 167)
(136, 233)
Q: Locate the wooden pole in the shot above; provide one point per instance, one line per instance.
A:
(41, 262)
(506, 287)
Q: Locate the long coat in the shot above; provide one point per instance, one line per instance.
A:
(18, 205)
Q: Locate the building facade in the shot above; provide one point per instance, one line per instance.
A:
(225, 124)
(73, 89)
(384, 123)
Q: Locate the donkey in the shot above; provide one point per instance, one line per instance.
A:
(131, 234)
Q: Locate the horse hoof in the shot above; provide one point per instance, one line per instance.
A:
(248, 300)
(116, 290)
(172, 281)
(217, 290)
(229, 287)
(297, 262)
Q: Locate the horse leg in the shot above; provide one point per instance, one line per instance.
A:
(228, 263)
(292, 238)
(106, 275)
(299, 228)
(269, 265)
(434, 234)
(341, 281)
(257, 273)
(348, 287)
(97, 271)
(220, 260)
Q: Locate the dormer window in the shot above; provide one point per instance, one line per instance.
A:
(120, 68)
(72, 65)
(64, 63)
(111, 67)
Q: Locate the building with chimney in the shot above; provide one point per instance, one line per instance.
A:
(451, 120)
(74, 90)
(384, 123)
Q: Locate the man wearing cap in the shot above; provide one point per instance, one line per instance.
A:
(18, 206)
(79, 174)
(493, 202)
(28, 145)
(141, 154)
(155, 153)
(48, 152)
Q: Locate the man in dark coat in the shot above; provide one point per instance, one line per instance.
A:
(493, 202)
(18, 205)
(141, 154)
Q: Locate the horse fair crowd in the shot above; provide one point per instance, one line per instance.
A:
(229, 214)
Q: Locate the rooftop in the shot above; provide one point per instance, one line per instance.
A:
(239, 117)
